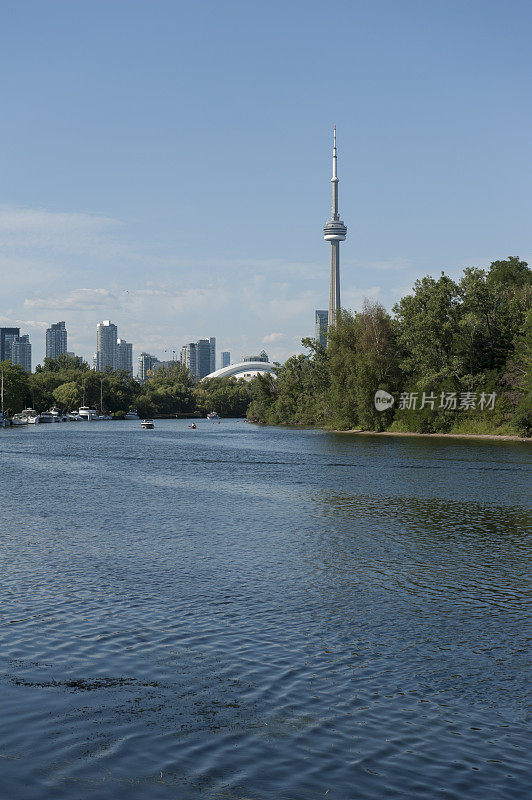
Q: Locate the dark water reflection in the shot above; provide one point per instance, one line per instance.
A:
(251, 613)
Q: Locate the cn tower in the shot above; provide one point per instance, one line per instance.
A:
(334, 232)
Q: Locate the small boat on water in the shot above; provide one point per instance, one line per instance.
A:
(132, 414)
(31, 415)
(19, 420)
(88, 414)
(147, 424)
(57, 414)
(193, 426)
(213, 415)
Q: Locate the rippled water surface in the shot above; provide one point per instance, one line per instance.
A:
(247, 613)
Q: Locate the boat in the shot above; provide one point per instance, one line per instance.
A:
(19, 420)
(46, 416)
(73, 416)
(147, 423)
(193, 426)
(213, 415)
(31, 415)
(56, 414)
(88, 414)
(132, 414)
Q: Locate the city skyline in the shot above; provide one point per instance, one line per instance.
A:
(126, 177)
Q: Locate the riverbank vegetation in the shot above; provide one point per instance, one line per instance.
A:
(455, 356)
(69, 382)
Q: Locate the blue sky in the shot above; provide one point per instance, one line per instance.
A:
(166, 164)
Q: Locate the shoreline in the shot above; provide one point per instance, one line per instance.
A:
(488, 436)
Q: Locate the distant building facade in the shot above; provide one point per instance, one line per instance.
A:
(7, 337)
(188, 356)
(263, 356)
(106, 345)
(212, 365)
(21, 352)
(124, 356)
(321, 322)
(56, 340)
(225, 359)
(203, 358)
(146, 365)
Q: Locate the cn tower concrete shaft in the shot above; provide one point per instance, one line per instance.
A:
(334, 232)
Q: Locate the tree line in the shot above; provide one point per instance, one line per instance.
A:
(455, 357)
(69, 382)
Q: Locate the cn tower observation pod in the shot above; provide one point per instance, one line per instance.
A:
(247, 369)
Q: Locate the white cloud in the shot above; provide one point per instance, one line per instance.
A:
(76, 299)
(271, 338)
(353, 297)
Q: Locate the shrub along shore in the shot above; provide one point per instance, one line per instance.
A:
(455, 357)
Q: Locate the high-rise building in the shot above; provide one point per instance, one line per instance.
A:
(226, 358)
(263, 356)
(124, 356)
(146, 365)
(203, 358)
(212, 366)
(334, 232)
(21, 352)
(106, 337)
(321, 321)
(56, 340)
(7, 336)
(188, 357)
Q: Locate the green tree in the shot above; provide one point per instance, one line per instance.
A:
(16, 387)
(68, 395)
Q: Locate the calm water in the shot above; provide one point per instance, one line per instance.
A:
(246, 613)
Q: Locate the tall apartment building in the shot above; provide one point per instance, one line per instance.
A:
(212, 365)
(188, 357)
(225, 358)
(21, 352)
(106, 341)
(146, 364)
(321, 325)
(7, 336)
(203, 358)
(56, 340)
(124, 356)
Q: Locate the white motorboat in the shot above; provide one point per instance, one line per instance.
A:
(56, 413)
(147, 424)
(19, 420)
(132, 414)
(213, 415)
(73, 416)
(31, 415)
(47, 416)
(88, 414)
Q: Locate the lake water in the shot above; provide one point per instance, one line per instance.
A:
(249, 613)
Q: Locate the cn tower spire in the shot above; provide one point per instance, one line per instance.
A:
(334, 232)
